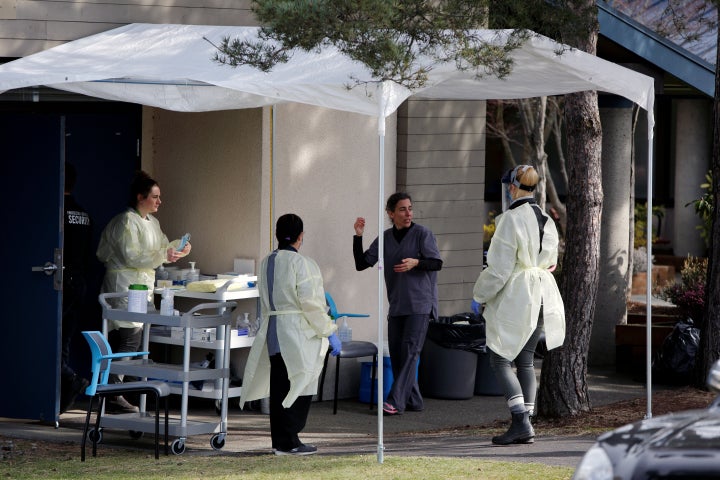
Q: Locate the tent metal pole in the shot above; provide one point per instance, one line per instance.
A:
(381, 259)
(648, 293)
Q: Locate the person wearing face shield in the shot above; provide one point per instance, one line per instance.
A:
(520, 297)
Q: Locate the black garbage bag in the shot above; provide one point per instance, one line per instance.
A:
(462, 331)
(675, 361)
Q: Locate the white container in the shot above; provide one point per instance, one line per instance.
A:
(137, 298)
(194, 274)
(203, 334)
(345, 332)
(167, 306)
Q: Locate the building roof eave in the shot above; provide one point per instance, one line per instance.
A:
(655, 49)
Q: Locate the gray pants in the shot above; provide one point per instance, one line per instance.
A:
(519, 389)
(406, 336)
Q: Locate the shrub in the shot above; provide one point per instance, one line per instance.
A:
(704, 209)
(489, 229)
(641, 222)
(689, 293)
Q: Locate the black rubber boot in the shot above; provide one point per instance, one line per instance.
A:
(521, 431)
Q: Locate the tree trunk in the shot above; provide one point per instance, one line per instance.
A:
(563, 385)
(710, 328)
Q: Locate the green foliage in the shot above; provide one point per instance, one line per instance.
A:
(704, 209)
(390, 36)
(641, 222)
(689, 293)
(489, 228)
(563, 20)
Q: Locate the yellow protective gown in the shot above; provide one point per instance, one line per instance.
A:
(517, 282)
(131, 247)
(303, 326)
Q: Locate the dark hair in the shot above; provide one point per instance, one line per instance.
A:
(287, 229)
(141, 185)
(394, 199)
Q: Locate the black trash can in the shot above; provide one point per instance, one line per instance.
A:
(449, 359)
(485, 380)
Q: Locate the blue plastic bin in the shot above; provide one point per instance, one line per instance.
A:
(366, 373)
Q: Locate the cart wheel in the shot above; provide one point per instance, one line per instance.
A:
(135, 435)
(178, 447)
(217, 441)
(93, 434)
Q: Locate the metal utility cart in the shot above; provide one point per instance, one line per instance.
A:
(205, 315)
(222, 294)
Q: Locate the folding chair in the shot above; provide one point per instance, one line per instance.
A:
(99, 388)
(352, 349)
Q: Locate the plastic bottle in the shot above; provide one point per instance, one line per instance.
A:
(137, 298)
(345, 332)
(193, 275)
(243, 326)
(162, 274)
(254, 327)
(167, 304)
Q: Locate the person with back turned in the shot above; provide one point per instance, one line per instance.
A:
(521, 298)
(287, 355)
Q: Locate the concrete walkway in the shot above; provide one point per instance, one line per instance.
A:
(440, 430)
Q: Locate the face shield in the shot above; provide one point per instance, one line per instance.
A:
(510, 178)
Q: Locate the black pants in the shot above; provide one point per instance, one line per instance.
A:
(285, 423)
(124, 340)
(406, 336)
(74, 293)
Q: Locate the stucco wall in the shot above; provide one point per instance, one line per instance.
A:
(209, 169)
(225, 177)
(326, 170)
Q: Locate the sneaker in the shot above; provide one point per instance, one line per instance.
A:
(301, 450)
(389, 409)
(120, 405)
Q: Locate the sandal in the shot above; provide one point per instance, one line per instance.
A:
(389, 409)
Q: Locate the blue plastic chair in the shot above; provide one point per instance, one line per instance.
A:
(99, 388)
(352, 349)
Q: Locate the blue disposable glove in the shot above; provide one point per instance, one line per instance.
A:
(335, 345)
(476, 307)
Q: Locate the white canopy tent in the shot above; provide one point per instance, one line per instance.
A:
(171, 67)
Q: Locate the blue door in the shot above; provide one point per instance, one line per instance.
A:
(32, 162)
(102, 142)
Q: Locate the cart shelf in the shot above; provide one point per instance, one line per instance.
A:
(204, 315)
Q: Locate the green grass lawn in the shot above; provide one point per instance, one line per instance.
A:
(28, 459)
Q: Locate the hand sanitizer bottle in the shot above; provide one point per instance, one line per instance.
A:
(193, 274)
(167, 306)
(345, 332)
